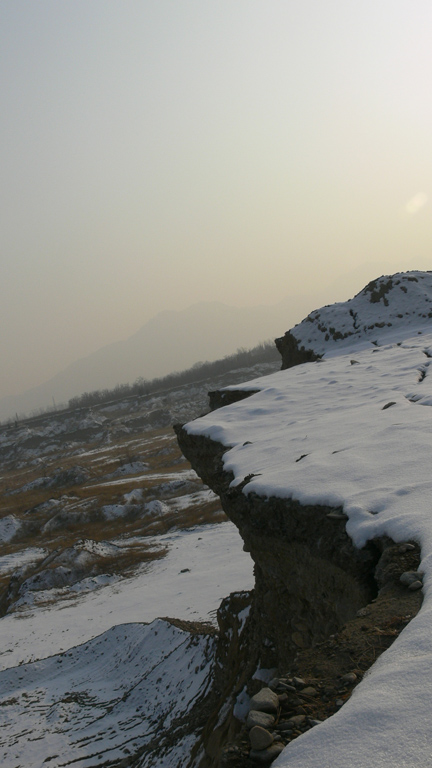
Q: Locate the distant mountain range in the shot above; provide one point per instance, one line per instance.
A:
(171, 341)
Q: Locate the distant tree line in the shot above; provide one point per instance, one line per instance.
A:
(265, 352)
(262, 353)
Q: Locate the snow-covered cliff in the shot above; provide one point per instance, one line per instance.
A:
(325, 469)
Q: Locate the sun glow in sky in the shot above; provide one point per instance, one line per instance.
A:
(156, 153)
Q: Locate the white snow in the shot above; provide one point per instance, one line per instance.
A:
(9, 527)
(15, 560)
(242, 706)
(202, 566)
(405, 307)
(105, 700)
(132, 468)
(176, 477)
(134, 497)
(113, 511)
(203, 496)
(101, 548)
(320, 433)
(353, 430)
(156, 508)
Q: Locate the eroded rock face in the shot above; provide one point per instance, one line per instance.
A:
(310, 582)
(236, 659)
(309, 578)
(293, 352)
(220, 398)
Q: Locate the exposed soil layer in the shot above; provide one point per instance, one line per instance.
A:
(321, 609)
(292, 352)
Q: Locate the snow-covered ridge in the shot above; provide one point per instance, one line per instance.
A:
(127, 692)
(387, 306)
(348, 432)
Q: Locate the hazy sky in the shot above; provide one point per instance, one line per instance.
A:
(156, 153)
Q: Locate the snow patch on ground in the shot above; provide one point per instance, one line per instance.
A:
(156, 508)
(132, 468)
(198, 498)
(202, 566)
(134, 497)
(173, 477)
(106, 699)
(10, 563)
(113, 511)
(9, 527)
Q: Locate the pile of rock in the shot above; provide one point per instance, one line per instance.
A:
(412, 579)
(271, 722)
(264, 710)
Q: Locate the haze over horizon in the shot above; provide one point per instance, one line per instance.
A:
(160, 154)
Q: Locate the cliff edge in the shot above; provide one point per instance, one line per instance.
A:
(324, 468)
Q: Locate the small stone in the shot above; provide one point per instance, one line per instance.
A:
(298, 639)
(310, 691)
(286, 725)
(363, 612)
(298, 682)
(286, 687)
(406, 548)
(297, 719)
(337, 516)
(265, 700)
(259, 718)
(274, 684)
(282, 697)
(415, 585)
(260, 738)
(339, 702)
(314, 722)
(266, 755)
(350, 677)
(409, 577)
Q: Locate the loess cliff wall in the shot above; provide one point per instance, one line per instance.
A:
(320, 608)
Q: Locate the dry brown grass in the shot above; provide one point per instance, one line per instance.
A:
(158, 449)
(123, 528)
